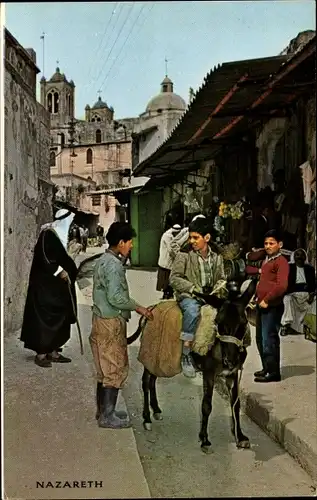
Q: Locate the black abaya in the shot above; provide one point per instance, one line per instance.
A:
(48, 311)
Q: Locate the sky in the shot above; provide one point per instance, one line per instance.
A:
(120, 48)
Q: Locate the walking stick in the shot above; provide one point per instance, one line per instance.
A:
(77, 322)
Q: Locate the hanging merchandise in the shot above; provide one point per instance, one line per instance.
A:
(191, 200)
(220, 229)
(307, 176)
(234, 211)
(311, 232)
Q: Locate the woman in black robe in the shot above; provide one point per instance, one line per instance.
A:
(51, 305)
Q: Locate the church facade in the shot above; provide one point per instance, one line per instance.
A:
(97, 153)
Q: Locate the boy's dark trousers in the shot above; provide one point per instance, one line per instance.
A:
(268, 323)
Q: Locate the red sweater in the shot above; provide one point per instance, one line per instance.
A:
(273, 281)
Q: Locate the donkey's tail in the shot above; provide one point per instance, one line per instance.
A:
(142, 323)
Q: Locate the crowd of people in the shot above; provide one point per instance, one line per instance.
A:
(189, 263)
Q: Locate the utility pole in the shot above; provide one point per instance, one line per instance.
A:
(72, 153)
(43, 53)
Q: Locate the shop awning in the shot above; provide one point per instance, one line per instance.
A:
(114, 191)
(232, 96)
(122, 194)
(63, 204)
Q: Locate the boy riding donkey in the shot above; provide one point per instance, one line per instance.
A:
(199, 270)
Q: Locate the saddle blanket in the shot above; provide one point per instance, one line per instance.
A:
(161, 347)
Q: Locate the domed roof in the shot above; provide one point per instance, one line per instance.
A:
(167, 99)
(58, 76)
(99, 104)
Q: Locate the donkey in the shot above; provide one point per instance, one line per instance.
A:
(225, 359)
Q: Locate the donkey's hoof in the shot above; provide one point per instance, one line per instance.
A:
(244, 443)
(147, 426)
(157, 416)
(206, 448)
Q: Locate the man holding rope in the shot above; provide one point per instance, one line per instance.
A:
(51, 305)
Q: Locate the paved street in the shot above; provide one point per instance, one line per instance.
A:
(173, 463)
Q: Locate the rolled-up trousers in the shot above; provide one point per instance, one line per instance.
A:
(108, 342)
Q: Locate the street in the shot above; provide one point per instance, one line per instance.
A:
(180, 138)
(173, 463)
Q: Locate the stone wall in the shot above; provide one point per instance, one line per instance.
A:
(311, 131)
(27, 187)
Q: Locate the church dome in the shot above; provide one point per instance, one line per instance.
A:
(100, 104)
(166, 99)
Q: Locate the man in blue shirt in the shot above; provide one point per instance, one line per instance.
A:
(112, 306)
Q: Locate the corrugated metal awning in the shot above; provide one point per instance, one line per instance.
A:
(232, 94)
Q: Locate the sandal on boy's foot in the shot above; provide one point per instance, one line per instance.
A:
(42, 362)
(58, 359)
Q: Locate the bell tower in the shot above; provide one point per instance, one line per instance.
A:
(58, 97)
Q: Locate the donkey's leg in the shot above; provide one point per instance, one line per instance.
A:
(153, 399)
(206, 407)
(147, 423)
(241, 440)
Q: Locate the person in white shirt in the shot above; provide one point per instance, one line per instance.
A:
(165, 261)
(300, 293)
(181, 238)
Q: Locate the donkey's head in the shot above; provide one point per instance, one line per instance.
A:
(232, 323)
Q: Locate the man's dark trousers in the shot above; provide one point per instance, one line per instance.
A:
(268, 322)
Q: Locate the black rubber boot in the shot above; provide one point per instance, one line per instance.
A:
(98, 399)
(120, 414)
(108, 418)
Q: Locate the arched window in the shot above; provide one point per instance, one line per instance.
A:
(52, 159)
(50, 102)
(53, 102)
(89, 156)
(62, 140)
(98, 136)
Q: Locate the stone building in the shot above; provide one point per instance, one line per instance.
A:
(101, 149)
(27, 188)
(89, 154)
(157, 122)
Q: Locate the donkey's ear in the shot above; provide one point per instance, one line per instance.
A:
(248, 291)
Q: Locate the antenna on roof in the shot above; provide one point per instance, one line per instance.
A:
(166, 61)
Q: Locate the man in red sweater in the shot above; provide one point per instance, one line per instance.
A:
(270, 292)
